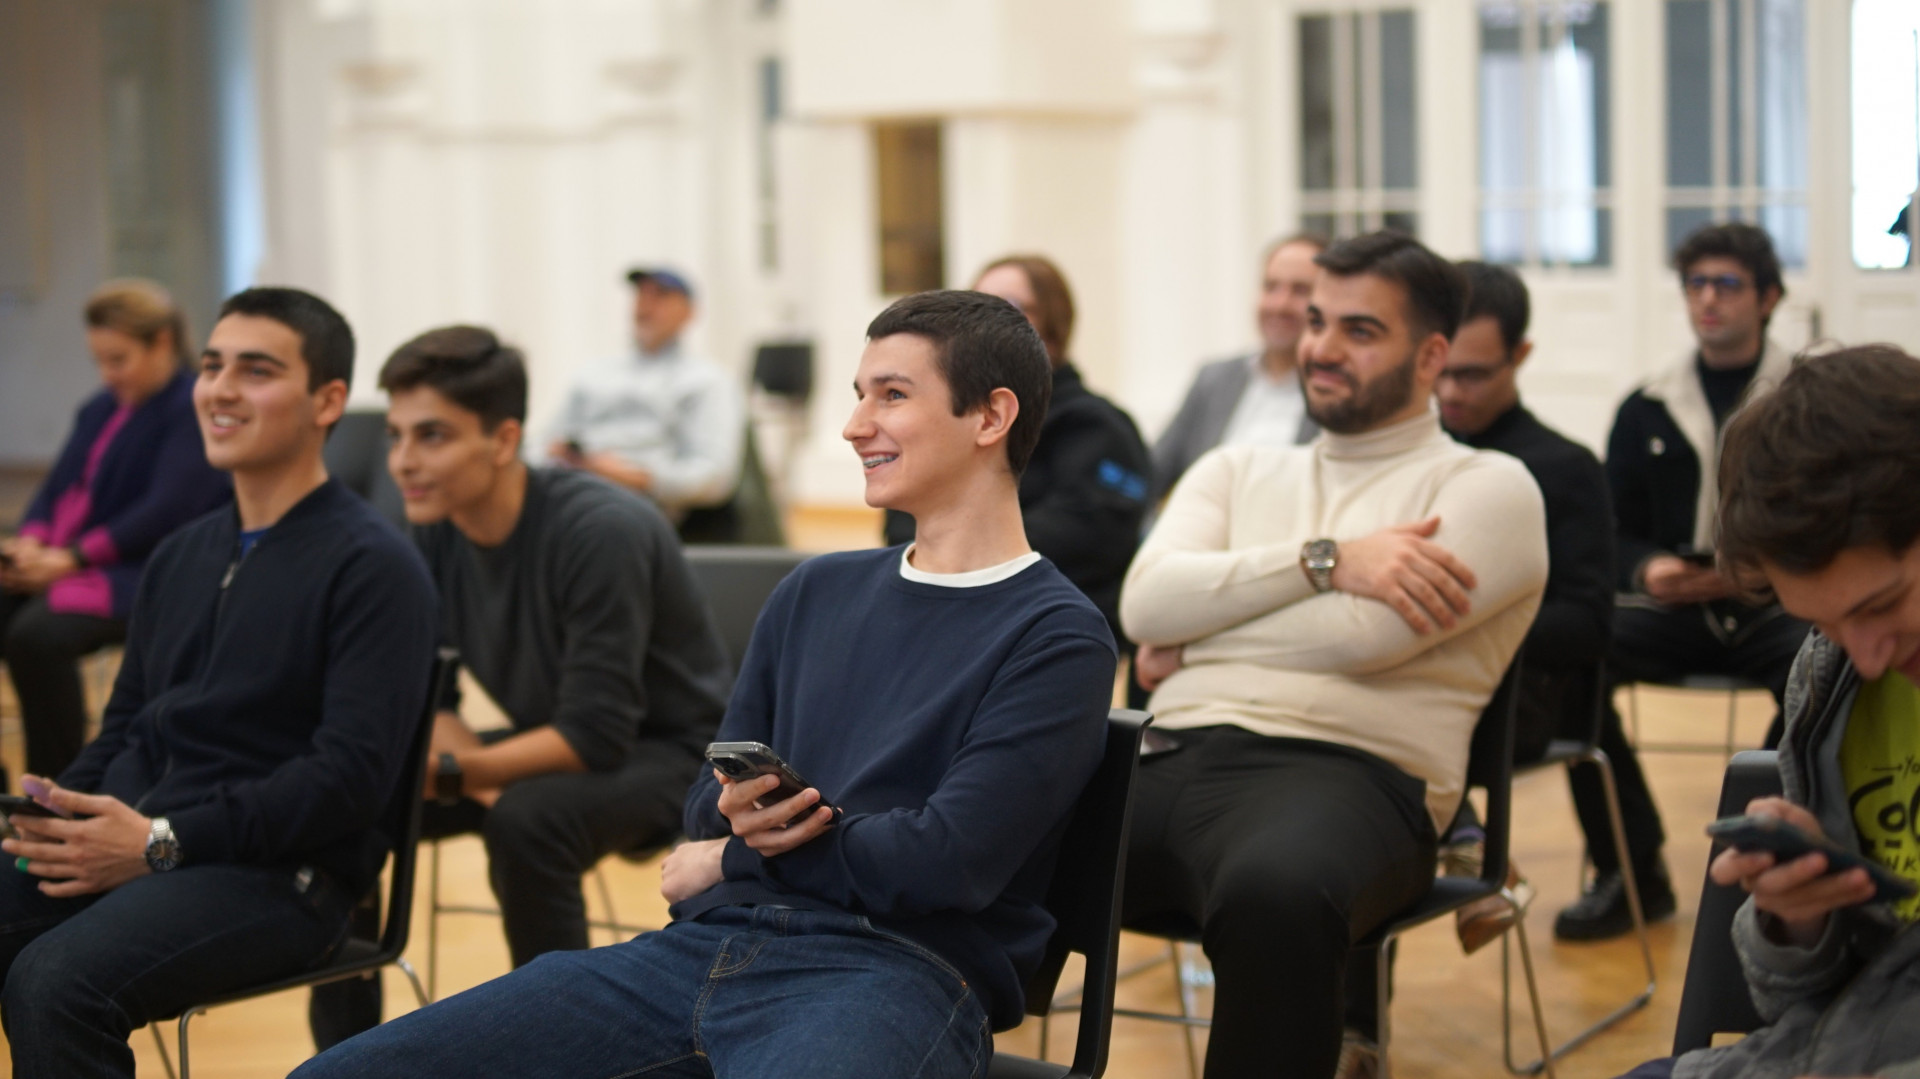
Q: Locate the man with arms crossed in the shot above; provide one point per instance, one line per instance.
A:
(948, 702)
(1326, 624)
(1249, 400)
(275, 674)
(569, 600)
(1816, 504)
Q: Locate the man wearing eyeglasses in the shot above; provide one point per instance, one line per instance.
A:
(1676, 615)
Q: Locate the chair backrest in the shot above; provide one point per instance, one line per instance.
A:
(1490, 767)
(356, 454)
(1085, 895)
(736, 582)
(402, 822)
(1715, 999)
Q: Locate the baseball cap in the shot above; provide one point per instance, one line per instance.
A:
(668, 279)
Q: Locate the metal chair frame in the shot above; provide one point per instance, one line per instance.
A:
(360, 957)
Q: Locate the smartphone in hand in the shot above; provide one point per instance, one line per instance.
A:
(1752, 834)
(750, 760)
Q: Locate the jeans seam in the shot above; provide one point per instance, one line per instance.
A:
(645, 1068)
(953, 1014)
(919, 949)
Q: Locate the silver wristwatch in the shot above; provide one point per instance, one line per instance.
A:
(163, 851)
(1317, 560)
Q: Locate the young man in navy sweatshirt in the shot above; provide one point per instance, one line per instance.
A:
(226, 818)
(948, 701)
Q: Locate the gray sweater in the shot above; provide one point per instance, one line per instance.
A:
(586, 619)
(1850, 1005)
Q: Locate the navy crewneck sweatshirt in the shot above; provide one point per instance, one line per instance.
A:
(955, 727)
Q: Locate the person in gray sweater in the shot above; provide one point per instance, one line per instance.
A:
(1816, 503)
(572, 605)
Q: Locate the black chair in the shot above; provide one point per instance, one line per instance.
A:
(358, 956)
(1489, 767)
(1085, 901)
(736, 581)
(1571, 753)
(1730, 684)
(356, 455)
(1714, 999)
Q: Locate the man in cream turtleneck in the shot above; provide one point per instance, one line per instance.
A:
(1322, 626)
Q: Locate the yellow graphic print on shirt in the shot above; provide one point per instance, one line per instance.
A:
(1880, 764)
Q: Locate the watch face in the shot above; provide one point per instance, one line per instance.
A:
(1320, 554)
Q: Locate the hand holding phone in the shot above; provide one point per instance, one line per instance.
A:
(742, 761)
(1787, 843)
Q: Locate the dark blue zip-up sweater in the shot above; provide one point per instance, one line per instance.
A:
(267, 717)
(955, 727)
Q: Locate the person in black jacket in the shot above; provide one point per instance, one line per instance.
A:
(1479, 399)
(1677, 615)
(1085, 493)
(275, 675)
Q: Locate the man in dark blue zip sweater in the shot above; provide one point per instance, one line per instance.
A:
(275, 672)
(947, 699)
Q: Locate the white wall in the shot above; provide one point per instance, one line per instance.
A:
(50, 109)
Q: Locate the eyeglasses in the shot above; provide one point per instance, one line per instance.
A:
(1470, 378)
(1726, 284)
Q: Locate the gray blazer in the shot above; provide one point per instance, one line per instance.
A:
(1202, 420)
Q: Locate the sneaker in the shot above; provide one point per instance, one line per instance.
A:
(1602, 913)
(1359, 1057)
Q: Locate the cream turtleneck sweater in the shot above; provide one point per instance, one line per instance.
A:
(1221, 574)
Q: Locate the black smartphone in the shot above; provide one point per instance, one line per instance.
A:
(1786, 842)
(1695, 556)
(750, 760)
(14, 805)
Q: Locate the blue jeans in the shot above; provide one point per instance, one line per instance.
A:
(741, 992)
(82, 974)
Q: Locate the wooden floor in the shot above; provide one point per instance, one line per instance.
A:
(1446, 1015)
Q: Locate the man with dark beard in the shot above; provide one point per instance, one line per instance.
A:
(1322, 626)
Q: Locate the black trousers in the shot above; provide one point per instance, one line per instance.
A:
(541, 837)
(1655, 643)
(43, 649)
(1284, 853)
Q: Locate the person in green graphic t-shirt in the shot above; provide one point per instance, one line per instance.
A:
(1817, 507)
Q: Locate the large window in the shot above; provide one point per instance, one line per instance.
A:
(912, 233)
(1545, 166)
(1358, 124)
(1737, 118)
(1886, 131)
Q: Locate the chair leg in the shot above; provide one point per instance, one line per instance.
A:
(1639, 1000)
(186, 1070)
(160, 1043)
(1547, 1053)
(433, 922)
(1189, 1004)
(1383, 1005)
(1733, 717)
(413, 979)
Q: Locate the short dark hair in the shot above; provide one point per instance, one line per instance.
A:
(1828, 461)
(1052, 299)
(468, 366)
(326, 341)
(1436, 290)
(1497, 291)
(1749, 245)
(981, 343)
